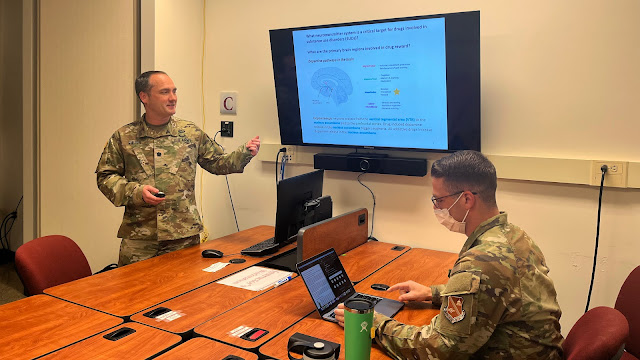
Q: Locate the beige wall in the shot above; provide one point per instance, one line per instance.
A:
(559, 80)
(86, 92)
(11, 114)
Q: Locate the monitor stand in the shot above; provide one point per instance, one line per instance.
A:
(285, 261)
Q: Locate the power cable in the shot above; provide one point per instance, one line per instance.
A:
(282, 150)
(228, 188)
(283, 163)
(373, 212)
(9, 220)
(604, 169)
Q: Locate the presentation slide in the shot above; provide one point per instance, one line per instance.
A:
(381, 84)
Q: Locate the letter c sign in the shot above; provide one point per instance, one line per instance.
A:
(228, 102)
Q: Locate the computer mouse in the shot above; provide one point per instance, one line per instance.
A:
(211, 253)
(381, 287)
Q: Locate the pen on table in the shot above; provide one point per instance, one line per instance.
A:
(282, 281)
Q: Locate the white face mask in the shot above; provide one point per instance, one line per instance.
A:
(448, 221)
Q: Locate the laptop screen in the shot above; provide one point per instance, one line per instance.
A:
(326, 280)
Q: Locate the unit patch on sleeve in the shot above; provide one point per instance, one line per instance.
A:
(454, 311)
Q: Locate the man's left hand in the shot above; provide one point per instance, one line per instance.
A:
(340, 314)
(253, 145)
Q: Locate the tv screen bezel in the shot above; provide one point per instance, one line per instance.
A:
(462, 36)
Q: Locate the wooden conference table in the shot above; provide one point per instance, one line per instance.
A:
(202, 349)
(212, 300)
(42, 324)
(135, 341)
(283, 306)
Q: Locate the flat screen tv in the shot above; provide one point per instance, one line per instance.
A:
(406, 83)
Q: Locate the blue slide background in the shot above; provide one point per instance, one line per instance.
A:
(347, 81)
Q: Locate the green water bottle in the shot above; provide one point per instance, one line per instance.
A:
(358, 319)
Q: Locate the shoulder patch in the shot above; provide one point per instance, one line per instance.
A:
(454, 311)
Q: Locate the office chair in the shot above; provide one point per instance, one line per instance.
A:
(627, 303)
(49, 261)
(599, 334)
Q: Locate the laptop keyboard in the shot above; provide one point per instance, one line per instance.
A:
(265, 247)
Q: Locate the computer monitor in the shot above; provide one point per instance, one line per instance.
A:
(300, 203)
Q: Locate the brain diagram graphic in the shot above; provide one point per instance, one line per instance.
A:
(333, 83)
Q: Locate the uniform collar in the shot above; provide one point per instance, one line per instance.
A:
(144, 130)
(498, 220)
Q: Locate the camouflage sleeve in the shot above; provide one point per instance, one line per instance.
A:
(407, 341)
(472, 303)
(212, 158)
(110, 176)
(436, 290)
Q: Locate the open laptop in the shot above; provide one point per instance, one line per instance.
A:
(329, 285)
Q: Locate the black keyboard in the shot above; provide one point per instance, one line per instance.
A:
(262, 248)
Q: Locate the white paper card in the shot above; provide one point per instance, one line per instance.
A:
(240, 330)
(169, 316)
(255, 278)
(215, 267)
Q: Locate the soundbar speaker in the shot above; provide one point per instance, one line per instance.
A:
(371, 164)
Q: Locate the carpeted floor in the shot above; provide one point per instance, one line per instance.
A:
(11, 288)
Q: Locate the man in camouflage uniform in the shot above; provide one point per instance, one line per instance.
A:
(499, 302)
(159, 153)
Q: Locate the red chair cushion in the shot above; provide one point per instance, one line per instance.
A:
(598, 334)
(627, 304)
(49, 261)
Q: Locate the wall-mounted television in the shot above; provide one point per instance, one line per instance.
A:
(407, 83)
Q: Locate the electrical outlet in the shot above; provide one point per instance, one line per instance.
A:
(226, 128)
(616, 175)
(291, 153)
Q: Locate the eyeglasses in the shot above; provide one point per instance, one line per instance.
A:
(437, 200)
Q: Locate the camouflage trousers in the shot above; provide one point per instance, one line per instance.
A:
(137, 250)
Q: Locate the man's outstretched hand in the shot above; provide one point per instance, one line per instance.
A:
(253, 145)
(412, 291)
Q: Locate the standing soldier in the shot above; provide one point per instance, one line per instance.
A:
(149, 167)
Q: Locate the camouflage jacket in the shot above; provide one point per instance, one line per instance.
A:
(164, 157)
(499, 303)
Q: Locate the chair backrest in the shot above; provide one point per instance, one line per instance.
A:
(49, 261)
(599, 334)
(628, 304)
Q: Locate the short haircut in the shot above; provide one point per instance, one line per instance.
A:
(142, 82)
(468, 170)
